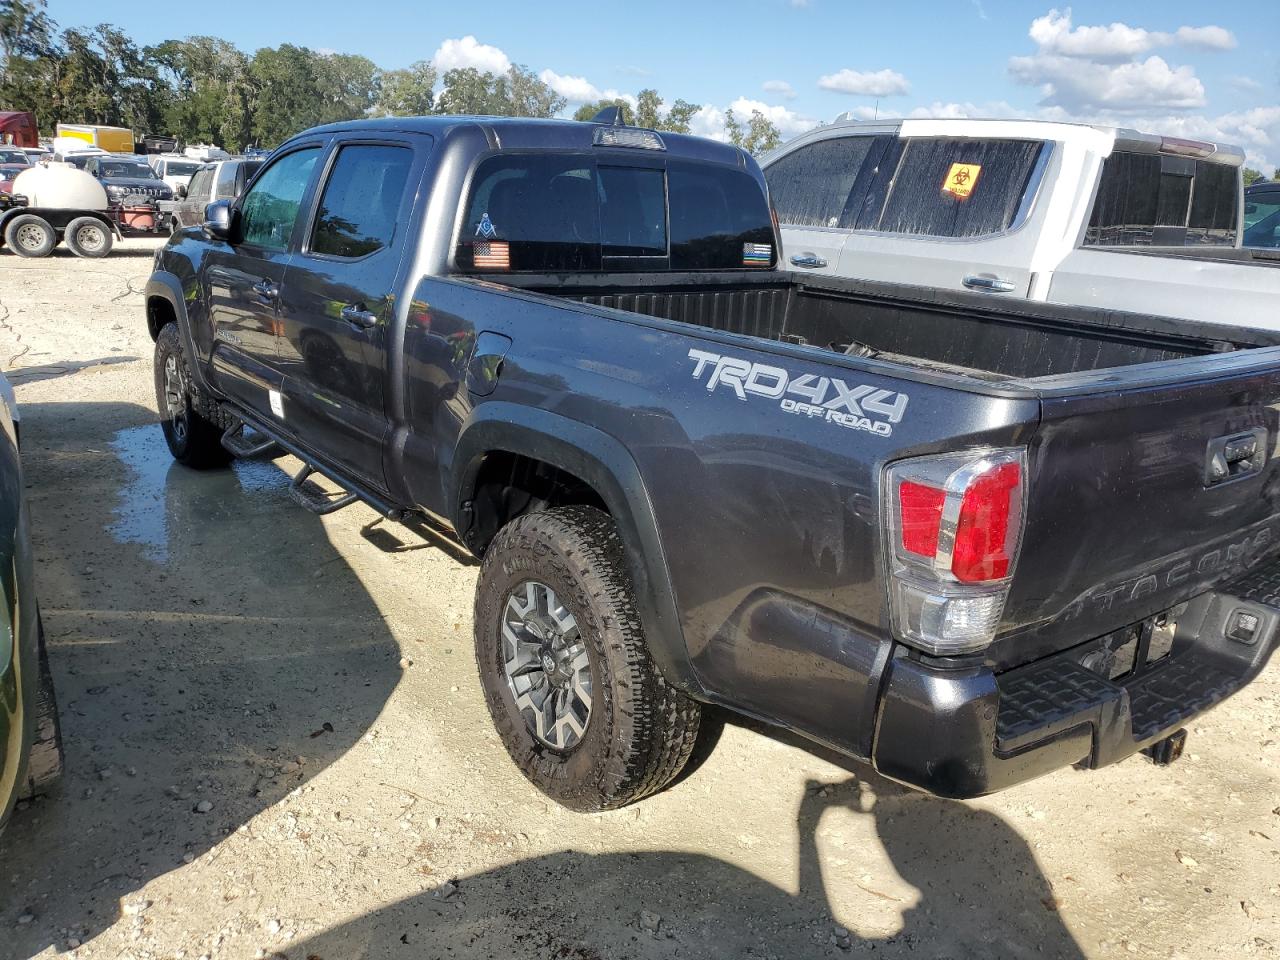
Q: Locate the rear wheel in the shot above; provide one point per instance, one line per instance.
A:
(569, 682)
(30, 236)
(193, 424)
(88, 237)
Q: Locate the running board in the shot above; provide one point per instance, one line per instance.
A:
(240, 446)
(350, 488)
(310, 497)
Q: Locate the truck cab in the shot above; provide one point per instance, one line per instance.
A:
(1044, 211)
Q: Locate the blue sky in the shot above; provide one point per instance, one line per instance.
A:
(1195, 69)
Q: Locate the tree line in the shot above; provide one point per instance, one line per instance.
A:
(206, 90)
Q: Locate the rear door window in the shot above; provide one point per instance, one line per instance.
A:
(811, 186)
(1147, 199)
(957, 188)
(201, 181)
(569, 212)
(361, 200)
(1262, 219)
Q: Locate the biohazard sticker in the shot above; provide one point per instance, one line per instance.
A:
(486, 228)
(961, 179)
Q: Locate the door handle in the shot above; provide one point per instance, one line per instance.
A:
(356, 315)
(267, 289)
(811, 260)
(988, 283)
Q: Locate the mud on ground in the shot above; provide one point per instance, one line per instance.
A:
(276, 745)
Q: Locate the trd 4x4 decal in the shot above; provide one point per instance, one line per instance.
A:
(859, 407)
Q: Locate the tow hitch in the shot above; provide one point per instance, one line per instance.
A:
(1164, 752)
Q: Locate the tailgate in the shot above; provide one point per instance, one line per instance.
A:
(1141, 496)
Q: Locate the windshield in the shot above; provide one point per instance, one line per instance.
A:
(179, 168)
(13, 156)
(125, 168)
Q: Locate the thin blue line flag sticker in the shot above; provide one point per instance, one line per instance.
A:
(757, 254)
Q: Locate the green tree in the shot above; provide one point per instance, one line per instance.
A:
(588, 110)
(208, 93)
(679, 117)
(1250, 175)
(469, 92)
(762, 136)
(733, 129)
(1275, 174)
(676, 119)
(26, 31)
(409, 92)
(648, 103)
(526, 95)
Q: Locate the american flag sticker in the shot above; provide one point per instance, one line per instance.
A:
(757, 254)
(491, 255)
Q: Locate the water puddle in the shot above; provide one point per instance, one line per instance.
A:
(161, 500)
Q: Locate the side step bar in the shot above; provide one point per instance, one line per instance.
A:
(238, 445)
(310, 497)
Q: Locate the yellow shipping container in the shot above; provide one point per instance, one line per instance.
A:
(111, 139)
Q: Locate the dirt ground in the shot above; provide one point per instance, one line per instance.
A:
(276, 745)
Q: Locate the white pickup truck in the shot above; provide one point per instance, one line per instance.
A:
(1060, 212)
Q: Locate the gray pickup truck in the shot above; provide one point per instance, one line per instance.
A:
(967, 541)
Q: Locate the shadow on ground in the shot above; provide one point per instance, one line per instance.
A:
(209, 647)
(583, 906)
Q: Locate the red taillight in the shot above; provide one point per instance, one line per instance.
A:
(982, 533)
(921, 515)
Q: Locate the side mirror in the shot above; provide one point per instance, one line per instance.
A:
(182, 191)
(219, 220)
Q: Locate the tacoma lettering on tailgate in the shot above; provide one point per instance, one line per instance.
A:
(830, 399)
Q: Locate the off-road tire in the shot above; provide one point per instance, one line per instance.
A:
(45, 762)
(194, 436)
(641, 730)
(19, 234)
(88, 237)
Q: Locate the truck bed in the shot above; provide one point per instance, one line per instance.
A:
(967, 334)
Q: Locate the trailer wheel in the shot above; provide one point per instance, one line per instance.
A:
(88, 237)
(579, 703)
(30, 236)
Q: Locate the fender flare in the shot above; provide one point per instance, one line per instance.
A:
(605, 464)
(168, 287)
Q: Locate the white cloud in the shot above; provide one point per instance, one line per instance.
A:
(709, 120)
(580, 89)
(881, 83)
(1054, 34)
(779, 87)
(1248, 84)
(1205, 38)
(470, 52)
(1082, 85)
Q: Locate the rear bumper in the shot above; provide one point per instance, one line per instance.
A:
(966, 733)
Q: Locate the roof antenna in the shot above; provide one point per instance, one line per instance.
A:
(612, 116)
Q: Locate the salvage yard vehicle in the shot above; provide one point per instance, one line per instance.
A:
(30, 736)
(53, 203)
(967, 540)
(1057, 212)
(217, 180)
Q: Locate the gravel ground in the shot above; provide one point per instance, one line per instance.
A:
(277, 746)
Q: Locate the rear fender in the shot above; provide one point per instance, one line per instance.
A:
(602, 462)
(168, 287)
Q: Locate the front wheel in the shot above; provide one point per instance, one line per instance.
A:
(576, 698)
(193, 424)
(30, 236)
(88, 237)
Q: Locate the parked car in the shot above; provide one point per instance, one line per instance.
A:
(30, 736)
(219, 180)
(1056, 212)
(931, 530)
(175, 170)
(134, 191)
(13, 160)
(1262, 215)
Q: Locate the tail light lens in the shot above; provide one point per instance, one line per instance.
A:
(955, 528)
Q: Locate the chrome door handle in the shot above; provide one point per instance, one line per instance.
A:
(356, 315)
(988, 282)
(808, 260)
(266, 289)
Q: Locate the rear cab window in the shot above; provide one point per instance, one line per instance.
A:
(1148, 199)
(575, 212)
